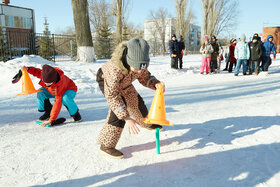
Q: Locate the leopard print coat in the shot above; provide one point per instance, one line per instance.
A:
(118, 83)
(122, 97)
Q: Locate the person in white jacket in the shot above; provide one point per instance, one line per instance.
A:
(220, 57)
(242, 55)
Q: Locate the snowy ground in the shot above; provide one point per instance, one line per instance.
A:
(226, 132)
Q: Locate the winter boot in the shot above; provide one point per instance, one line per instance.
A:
(77, 117)
(47, 109)
(111, 152)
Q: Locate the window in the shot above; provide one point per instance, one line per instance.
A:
(18, 22)
(24, 23)
(27, 23)
(9, 21)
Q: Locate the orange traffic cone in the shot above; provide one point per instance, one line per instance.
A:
(27, 85)
(157, 111)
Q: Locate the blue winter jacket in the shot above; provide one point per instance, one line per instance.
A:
(242, 50)
(268, 47)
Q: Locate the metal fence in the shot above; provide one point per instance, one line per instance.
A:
(53, 47)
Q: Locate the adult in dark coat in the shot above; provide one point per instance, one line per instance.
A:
(255, 55)
(256, 35)
(181, 46)
(214, 55)
(174, 52)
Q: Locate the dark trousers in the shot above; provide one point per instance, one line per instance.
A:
(254, 66)
(174, 62)
(266, 63)
(213, 65)
(180, 58)
(231, 64)
(226, 68)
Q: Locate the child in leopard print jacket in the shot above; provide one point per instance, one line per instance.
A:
(129, 62)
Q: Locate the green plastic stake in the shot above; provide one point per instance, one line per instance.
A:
(39, 123)
(157, 141)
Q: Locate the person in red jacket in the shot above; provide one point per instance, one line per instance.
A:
(54, 85)
(231, 52)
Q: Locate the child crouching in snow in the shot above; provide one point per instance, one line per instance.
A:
(129, 62)
(54, 85)
(206, 49)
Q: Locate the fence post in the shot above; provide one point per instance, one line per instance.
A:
(19, 49)
(71, 48)
(10, 50)
(53, 48)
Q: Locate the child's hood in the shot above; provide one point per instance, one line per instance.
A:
(117, 56)
(269, 36)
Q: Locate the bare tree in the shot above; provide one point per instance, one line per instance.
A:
(119, 23)
(100, 12)
(134, 31)
(120, 10)
(85, 51)
(152, 37)
(160, 19)
(183, 22)
(219, 16)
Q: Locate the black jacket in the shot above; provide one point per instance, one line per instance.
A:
(181, 46)
(255, 51)
(174, 47)
(215, 54)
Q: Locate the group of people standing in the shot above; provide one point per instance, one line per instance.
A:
(254, 56)
(177, 48)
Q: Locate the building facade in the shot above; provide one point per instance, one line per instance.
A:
(192, 38)
(13, 18)
(18, 27)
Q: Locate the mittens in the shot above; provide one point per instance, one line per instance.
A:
(17, 77)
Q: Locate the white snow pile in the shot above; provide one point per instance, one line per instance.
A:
(226, 131)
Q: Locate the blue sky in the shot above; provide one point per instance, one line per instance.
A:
(251, 15)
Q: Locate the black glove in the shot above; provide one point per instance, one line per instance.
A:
(17, 77)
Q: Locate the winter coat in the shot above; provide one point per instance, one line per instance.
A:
(181, 46)
(174, 47)
(207, 47)
(242, 50)
(118, 87)
(227, 55)
(58, 88)
(268, 47)
(255, 51)
(221, 53)
(231, 52)
(215, 53)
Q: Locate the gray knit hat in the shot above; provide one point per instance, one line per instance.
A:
(138, 53)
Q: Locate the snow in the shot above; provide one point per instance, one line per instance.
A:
(226, 131)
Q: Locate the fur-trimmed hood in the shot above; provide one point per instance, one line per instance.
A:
(117, 56)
